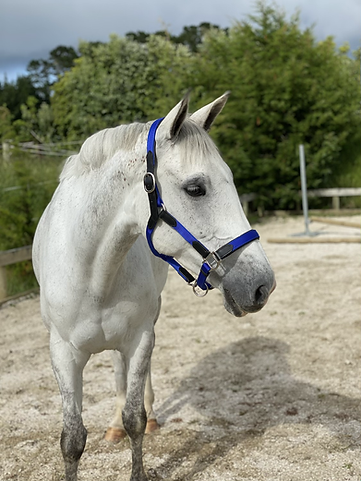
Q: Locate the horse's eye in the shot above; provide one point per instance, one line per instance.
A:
(195, 190)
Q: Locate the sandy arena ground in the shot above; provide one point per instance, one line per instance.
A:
(272, 396)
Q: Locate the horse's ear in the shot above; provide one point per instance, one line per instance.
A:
(172, 123)
(205, 116)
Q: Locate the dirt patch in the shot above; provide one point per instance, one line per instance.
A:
(272, 396)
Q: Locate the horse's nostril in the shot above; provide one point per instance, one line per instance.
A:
(261, 294)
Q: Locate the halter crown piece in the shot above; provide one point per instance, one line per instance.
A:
(211, 260)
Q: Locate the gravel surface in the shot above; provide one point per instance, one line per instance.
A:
(272, 396)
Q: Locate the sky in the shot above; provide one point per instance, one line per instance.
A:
(30, 29)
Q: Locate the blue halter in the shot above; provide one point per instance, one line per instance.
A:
(211, 260)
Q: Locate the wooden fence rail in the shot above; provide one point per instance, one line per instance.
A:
(7, 258)
(335, 193)
(39, 148)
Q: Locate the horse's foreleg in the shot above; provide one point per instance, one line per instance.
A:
(152, 424)
(116, 430)
(68, 364)
(134, 413)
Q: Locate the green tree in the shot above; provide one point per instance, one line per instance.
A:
(45, 122)
(44, 72)
(37, 122)
(62, 59)
(6, 128)
(169, 70)
(191, 36)
(28, 123)
(40, 74)
(287, 89)
(21, 208)
(116, 82)
(14, 94)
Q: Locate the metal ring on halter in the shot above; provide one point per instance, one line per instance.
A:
(200, 292)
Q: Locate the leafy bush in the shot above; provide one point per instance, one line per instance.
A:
(26, 187)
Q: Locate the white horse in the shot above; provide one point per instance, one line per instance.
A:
(100, 250)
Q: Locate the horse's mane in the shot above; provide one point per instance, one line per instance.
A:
(102, 146)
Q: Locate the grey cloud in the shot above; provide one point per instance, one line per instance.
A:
(29, 30)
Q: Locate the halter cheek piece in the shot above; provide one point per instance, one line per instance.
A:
(211, 260)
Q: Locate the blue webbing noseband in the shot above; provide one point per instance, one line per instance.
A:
(211, 260)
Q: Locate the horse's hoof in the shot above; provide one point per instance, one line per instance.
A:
(115, 435)
(152, 426)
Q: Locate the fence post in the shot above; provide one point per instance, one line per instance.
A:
(304, 188)
(336, 202)
(6, 151)
(11, 256)
(2, 283)
(245, 207)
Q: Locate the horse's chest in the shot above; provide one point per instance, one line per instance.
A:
(98, 329)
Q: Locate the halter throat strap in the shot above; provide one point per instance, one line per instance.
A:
(211, 260)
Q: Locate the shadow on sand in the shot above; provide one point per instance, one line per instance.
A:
(244, 389)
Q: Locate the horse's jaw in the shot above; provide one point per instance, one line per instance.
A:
(231, 305)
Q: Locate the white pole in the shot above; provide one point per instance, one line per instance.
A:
(304, 188)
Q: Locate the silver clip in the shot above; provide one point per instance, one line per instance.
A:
(213, 261)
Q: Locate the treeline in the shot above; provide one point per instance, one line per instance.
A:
(287, 89)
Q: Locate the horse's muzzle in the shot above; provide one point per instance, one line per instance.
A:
(251, 297)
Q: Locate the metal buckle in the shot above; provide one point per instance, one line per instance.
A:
(213, 261)
(199, 292)
(149, 188)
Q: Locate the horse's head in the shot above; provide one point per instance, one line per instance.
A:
(197, 188)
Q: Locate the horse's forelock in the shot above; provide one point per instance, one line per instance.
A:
(197, 144)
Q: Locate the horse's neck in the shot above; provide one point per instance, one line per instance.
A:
(105, 220)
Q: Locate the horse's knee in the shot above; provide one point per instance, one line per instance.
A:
(72, 442)
(134, 420)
